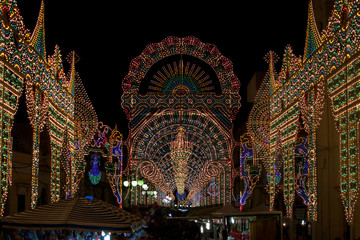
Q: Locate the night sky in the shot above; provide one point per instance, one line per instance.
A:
(107, 35)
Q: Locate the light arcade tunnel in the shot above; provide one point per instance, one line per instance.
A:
(181, 83)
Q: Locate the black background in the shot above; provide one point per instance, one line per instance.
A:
(107, 35)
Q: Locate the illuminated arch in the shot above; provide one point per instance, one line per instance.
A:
(188, 46)
(181, 82)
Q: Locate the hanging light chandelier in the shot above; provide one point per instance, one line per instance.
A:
(180, 151)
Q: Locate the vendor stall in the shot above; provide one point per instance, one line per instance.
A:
(74, 217)
(249, 225)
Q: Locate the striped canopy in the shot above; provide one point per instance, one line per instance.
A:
(76, 213)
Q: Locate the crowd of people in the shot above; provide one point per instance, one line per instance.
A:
(158, 225)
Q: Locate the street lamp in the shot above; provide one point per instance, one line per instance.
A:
(134, 183)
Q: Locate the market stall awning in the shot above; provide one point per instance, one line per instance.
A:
(226, 210)
(76, 213)
(203, 212)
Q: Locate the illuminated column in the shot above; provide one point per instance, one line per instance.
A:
(289, 133)
(312, 169)
(11, 87)
(227, 172)
(271, 183)
(289, 177)
(5, 166)
(36, 125)
(75, 161)
(274, 167)
(35, 166)
(312, 178)
(56, 132)
(55, 170)
(349, 182)
(73, 165)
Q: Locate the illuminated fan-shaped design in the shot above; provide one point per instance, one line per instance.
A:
(180, 79)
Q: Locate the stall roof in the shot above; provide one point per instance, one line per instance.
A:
(76, 213)
(203, 212)
(226, 210)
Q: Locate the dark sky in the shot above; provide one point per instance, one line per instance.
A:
(107, 35)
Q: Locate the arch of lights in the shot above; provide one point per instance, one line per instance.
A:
(54, 99)
(158, 134)
(294, 100)
(181, 93)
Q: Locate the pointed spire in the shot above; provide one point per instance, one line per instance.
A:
(57, 66)
(271, 58)
(72, 58)
(37, 40)
(313, 39)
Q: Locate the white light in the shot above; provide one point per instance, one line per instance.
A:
(232, 220)
(284, 224)
(145, 187)
(201, 229)
(167, 199)
(134, 183)
(143, 192)
(107, 237)
(208, 226)
(126, 183)
(102, 233)
(303, 222)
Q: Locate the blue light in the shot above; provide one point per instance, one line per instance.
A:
(89, 197)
